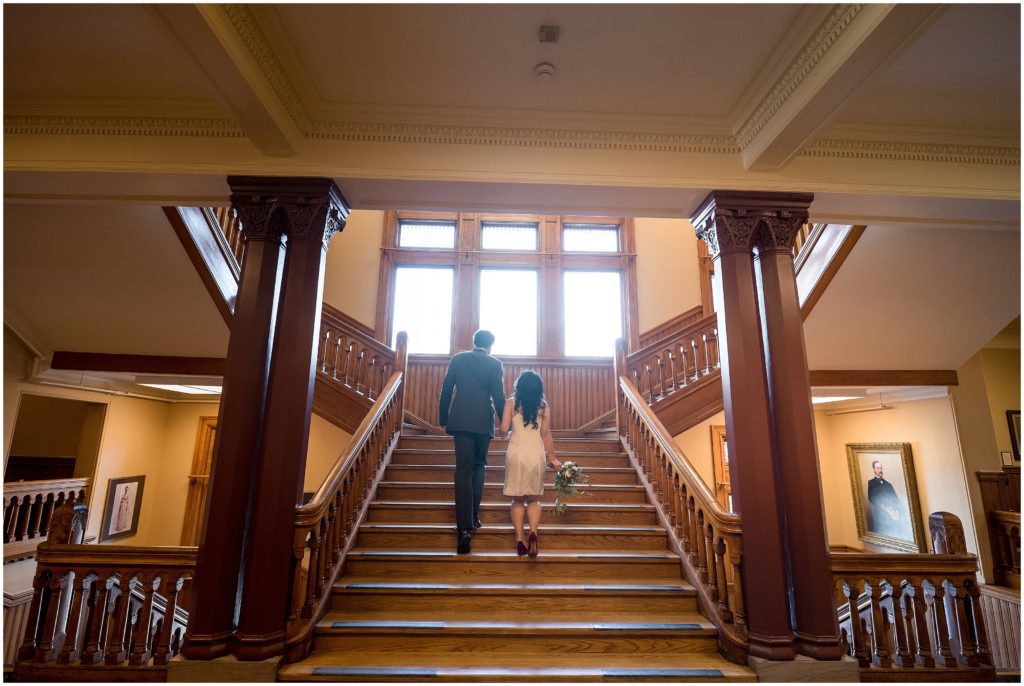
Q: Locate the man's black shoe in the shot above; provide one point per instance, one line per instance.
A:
(476, 522)
(465, 538)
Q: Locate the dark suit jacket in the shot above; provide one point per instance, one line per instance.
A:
(476, 378)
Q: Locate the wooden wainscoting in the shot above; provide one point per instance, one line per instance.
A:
(16, 607)
(1001, 607)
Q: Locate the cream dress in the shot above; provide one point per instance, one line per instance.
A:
(525, 459)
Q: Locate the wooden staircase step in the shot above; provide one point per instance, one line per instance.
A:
(432, 491)
(405, 536)
(561, 444)
(559, 566)
(423, 600)
(496, 473)
(587, 460)
(465, 665)
(579, 513)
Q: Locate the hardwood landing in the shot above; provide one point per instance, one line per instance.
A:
(604, 600)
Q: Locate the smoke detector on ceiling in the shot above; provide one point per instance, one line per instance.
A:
(545, 71)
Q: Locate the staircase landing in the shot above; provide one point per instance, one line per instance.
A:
(604, 600)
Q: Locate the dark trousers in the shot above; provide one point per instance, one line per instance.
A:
(470, 461)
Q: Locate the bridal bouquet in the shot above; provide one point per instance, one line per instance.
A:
(566, 480)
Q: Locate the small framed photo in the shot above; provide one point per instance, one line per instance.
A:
(1013, 420)
(121, 512)
(885, 498)
(1007, 458)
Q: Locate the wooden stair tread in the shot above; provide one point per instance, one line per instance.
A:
(547, 529)
(589, 587)
(619, 557)
(661, 626)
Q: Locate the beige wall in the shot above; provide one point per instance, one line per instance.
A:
(48, 427)
(695, 443)
(1001, 369)
(929, 426)
(17, 361)
(353, 264)
(667, 271)
(326, 444)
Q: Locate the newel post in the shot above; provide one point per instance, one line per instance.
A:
(402, 365)
(307, 213)
(618, 370)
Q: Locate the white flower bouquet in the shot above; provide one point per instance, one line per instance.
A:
(567, 479)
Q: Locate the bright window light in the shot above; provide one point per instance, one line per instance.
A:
(593, 313)
(590, 238)
(817, 400)
(423, 309)
(192, 390)
(508, 236)
(508, 309)
(426, 234)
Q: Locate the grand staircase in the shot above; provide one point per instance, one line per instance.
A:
(604, 600)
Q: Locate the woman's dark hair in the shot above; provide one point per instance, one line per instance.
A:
(529, 396)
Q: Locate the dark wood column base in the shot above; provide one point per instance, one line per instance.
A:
(819, 647)
(260, 647)
(772, 647)
(207, 646)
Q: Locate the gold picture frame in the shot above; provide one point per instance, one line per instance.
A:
(885, 499)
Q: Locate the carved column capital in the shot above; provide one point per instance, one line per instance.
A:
(299, 208)
(738, 221)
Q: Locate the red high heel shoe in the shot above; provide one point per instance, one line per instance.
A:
(534, 546)
(521, 548)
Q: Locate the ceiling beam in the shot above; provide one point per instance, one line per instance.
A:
(839, 55)
(850, 378)
(230, 49)
(138, 364)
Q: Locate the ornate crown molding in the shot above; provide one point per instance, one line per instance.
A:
(913, 152)
(121, 126)
(256, 43)
(823, 39)
(522, 138)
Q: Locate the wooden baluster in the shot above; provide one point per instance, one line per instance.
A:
(371, 375)
(40, 581)
(967, 639)
(324, 348)
(702, 555)
(910, 621)
(360, 371)
(44, 651)
(115, 653)
(96, 604)
(673, 498)
(691, 507)
(683, 527)
(346, 379)
(723, 581)
(925, 654)
(297, 598)
(661, 378)
(325, 559)
(712, 570)
(162, 652)
(860, 648)
(739, 613)
(980, 632)
(313, 573)
(718, 355)
(650, 385)
(70, 652)
(707, 355)
(141, 643)
(10, 519)
(34, 515)
(940, 622)
(672, 370)
(904, 656)
(337, 357)
(879, 626)
(696, 371)
(686, 365)
(46, 505)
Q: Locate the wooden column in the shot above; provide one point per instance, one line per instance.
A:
(814, 617)
(218, 578)
(729, 230)
(309, 212)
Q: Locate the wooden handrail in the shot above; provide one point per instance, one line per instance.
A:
(671, 326)
(28, 507)
(327, 526)
(707, 537)
(911, 611)
(349, 357)
(113, 605)
(675, 363)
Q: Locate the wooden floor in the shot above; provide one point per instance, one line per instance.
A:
(604, 600)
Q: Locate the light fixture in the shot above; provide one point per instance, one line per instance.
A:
(179, 388)
(545, 71)
(818, 400)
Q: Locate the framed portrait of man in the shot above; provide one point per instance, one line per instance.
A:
(121, 512)
(885, 499)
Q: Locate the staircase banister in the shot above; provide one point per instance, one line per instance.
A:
(16, 488)
(125, 556)
(729, 521)
(903, 564)
(311, 512)
(339, 320)
(697, 326)
(1006, 516)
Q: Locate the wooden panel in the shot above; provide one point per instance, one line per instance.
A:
(198, 481)
(682, 411)
(884, 377)
(1002, 619)
(578, 391)
(16, 607)
(140, 364)
(339, 405)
